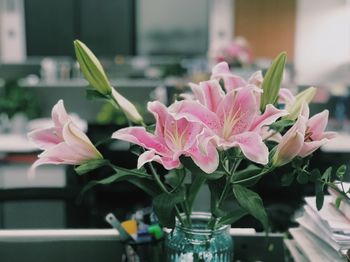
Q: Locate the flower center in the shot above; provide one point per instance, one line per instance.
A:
(230, 120)
(308, 135)
(177, 139)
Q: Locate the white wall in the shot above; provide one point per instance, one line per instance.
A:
(12, 31)
(221, 24)
(322, 39)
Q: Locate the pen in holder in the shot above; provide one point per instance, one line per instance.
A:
(142, 242)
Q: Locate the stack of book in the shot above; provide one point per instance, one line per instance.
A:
(322, 235)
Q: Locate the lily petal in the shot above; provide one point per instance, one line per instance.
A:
(160, 114)
(151, 155)
(317, 124)
(59, 114)
(253, 147)
(236, 112)
(180, 134)
(286, 96)
(270, 115)
(139, 136)
(79, 142)
(212, 94)
(231, 81)
(44, 138)
(309, 147)
(193, 111)
(207, 159)
(256, 78)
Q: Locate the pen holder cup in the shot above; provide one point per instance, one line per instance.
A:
(150, 251)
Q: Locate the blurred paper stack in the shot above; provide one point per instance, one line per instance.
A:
(322, 235)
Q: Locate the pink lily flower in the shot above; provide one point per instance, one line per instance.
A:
(233, 118)
(172, 138)
(304, 137)
(315, 136)
(231, 81)
(64, 143)
(291, 143)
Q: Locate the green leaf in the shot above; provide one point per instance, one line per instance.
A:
(319, 195)
(314, 175)
(252, 203)
(136, 149)
(164, 207)
(287, 179)
(197, 181)
(248, 172)
(341, 172)
(216, 188)
(190, 165)
(272, 81)
(214, 176)
(92, 94)
(338, 201)
(90, 165)
(297, 162)
(232, 217)
(122, 174)
(280, 125)
(303, 177)
(327, 174)
(150, 187)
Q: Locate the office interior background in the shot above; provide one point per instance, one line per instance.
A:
(150, 50)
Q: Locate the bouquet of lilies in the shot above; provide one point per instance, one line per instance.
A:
(227, 133)
(237, 52)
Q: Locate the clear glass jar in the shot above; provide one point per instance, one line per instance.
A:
(198, 243)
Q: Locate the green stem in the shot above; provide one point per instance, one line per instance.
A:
(264, 172)
(212, 221)
(181, 181)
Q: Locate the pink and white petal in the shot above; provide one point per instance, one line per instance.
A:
(180, 134)
(139, 136)
(151, 155)
(219, 69)
(256, 78)
(208, 161)
(270, 115)
(231, 81)
(204, 138)
(237, 112)
(213, 94)
(317, 124)
(198, 92)
(79, 142)
(253, 147)
(309, 147)
(329, 135)
(59, 114)
(288, 149)
(44, 138)
(193, 111)
(286, 96)
(63, 153)
(270, 135)
(160, 114)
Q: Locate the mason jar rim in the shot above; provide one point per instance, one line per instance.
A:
(203, 216)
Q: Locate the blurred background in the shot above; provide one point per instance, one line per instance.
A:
(151, 50)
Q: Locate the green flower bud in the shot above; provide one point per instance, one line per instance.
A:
(92, 68)
(303, 97)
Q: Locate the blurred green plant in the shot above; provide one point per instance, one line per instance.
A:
(15, 99)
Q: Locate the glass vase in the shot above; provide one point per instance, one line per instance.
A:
(198, 242)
